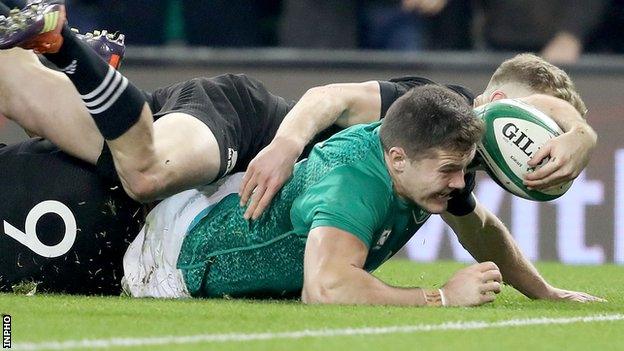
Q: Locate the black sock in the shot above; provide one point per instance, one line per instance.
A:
(114, 103)
(105, 166)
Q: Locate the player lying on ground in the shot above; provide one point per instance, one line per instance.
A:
(373, 111)
(353, 203)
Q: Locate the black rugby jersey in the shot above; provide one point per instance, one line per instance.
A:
(63, 227)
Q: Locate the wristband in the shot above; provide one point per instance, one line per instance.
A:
(434, 297)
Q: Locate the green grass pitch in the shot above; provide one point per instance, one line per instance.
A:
(43, 321)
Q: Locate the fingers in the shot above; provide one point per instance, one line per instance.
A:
(550, 175)
(487, 266)
(493, 275)
(265, 200)
(584, 297)
(553, 180)
(540, 155)
(494, 287)
(255, 199)
(591, 298)
(487, 298)
(543, 182)
(247, 187)
(544, 171)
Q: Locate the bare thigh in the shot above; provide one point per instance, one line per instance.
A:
(46, 103)
(184, 139)
(175, 153)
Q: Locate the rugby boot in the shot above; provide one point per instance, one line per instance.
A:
(37, 26)
(110, 47)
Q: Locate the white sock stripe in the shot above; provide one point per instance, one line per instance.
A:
(300, 334)
(110, 90)
(122, 88)
(102, 86)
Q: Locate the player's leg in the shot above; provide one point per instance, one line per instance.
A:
(46, 103)
(175, 153)
(181, 152)
(122, 115)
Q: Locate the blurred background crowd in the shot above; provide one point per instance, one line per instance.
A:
(558, 29)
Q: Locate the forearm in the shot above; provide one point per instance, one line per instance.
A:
(356, 286)
(500, 248)
(562, 112)
(487, 239)
(320, 107)
(565, 115)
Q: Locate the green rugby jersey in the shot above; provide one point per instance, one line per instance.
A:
(344, 184)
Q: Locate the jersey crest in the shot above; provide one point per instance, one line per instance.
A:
(420, 216)
(382, 239)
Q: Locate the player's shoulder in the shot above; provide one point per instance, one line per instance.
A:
(354, 183)
(222, 83)
(402, 84)
(349, 147)
(357, 138)
(232, 79)
(394, 88)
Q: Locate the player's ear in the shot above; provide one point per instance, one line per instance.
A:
(398, 158)
(497, 95)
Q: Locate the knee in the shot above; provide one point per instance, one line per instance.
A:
(140, 187)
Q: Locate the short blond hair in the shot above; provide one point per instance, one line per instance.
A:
(540, 76)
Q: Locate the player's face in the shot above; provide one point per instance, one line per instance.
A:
(429, 181)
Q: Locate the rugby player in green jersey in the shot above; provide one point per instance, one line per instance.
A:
(353, 203)
(526, 77)
(357, 199)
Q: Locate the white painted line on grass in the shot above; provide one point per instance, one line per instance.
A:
(242, 337)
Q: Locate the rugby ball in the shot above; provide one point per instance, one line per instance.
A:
(514, 132)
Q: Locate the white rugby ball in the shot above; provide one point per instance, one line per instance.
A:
(514, 132)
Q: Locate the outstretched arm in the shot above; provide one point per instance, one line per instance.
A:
(568, 153)
(333, 273)
(487, 239)
(344, 104)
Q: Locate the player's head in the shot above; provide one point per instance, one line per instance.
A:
(429, 136)
(527, 74)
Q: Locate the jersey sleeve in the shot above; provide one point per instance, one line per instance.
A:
(394, 88)
(349, 200)
(463, 201)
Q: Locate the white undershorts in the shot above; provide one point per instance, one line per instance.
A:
(150, 261)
